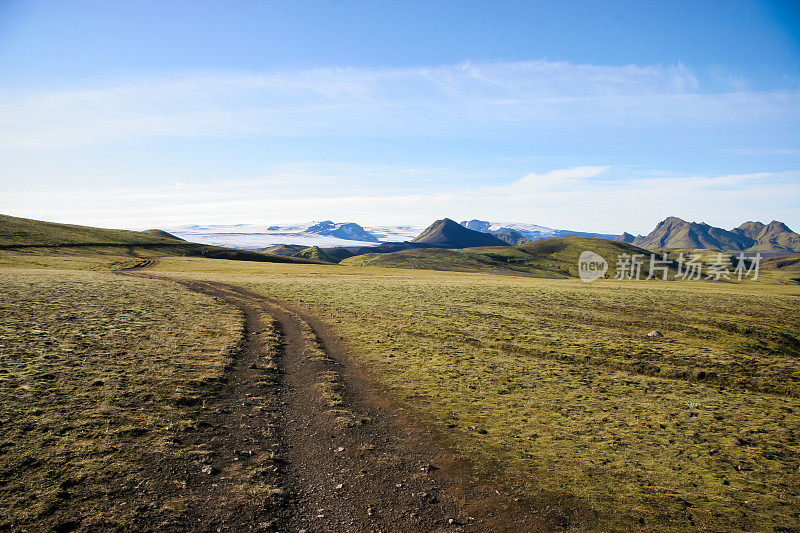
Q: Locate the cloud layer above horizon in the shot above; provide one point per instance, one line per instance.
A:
(604, 148)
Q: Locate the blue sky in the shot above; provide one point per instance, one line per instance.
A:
(602, 116)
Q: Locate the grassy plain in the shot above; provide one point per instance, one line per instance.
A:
(105, 385)
(553, 387)
(549, 386)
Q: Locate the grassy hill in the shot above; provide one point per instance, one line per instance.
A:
(34, 243)
(16, 231)
(162, 233)
(785, 269)
(289, 250)
(317, 254)
(546, 258)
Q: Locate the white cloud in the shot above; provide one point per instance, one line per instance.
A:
(464, 99)
(555, 178)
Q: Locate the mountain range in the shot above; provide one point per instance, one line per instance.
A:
(676, 233)
(339, 240)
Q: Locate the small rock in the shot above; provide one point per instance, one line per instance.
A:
(370, 511)
(339, 449)
(209, 470)
(451, 521)
(339, 486)
(655, 333)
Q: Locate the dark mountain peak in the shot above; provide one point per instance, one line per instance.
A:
(447, 233)
(676, 233)
(626, 237)
(669, 221)
(777, 225)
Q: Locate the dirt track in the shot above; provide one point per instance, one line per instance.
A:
(345, 458)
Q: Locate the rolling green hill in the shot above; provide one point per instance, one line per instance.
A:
(162, 233)
(38, 238)
(317, 254)
(289, 250)
(26, 232)
(546, 258)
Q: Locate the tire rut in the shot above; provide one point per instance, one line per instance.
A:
(339, 456)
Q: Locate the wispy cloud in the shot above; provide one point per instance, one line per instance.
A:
(451, 100)
(582, 198)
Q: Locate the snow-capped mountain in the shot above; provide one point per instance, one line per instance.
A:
(529, 231)
(346, 230)
(325, 234)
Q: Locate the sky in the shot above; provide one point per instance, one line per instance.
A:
(582, 115)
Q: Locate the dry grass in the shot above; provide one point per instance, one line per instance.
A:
(105, 383)
(553, 387)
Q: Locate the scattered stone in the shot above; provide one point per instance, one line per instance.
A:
(340, 486)
(429, 468)
(451, 521)
(712, 451)
(370, 511)
(339, 449)
(655, 333)
(209, 470)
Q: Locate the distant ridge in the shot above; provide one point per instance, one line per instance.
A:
(770, 237)
(530, 232)
(447, 233)
(676, 233)
(511, 237)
